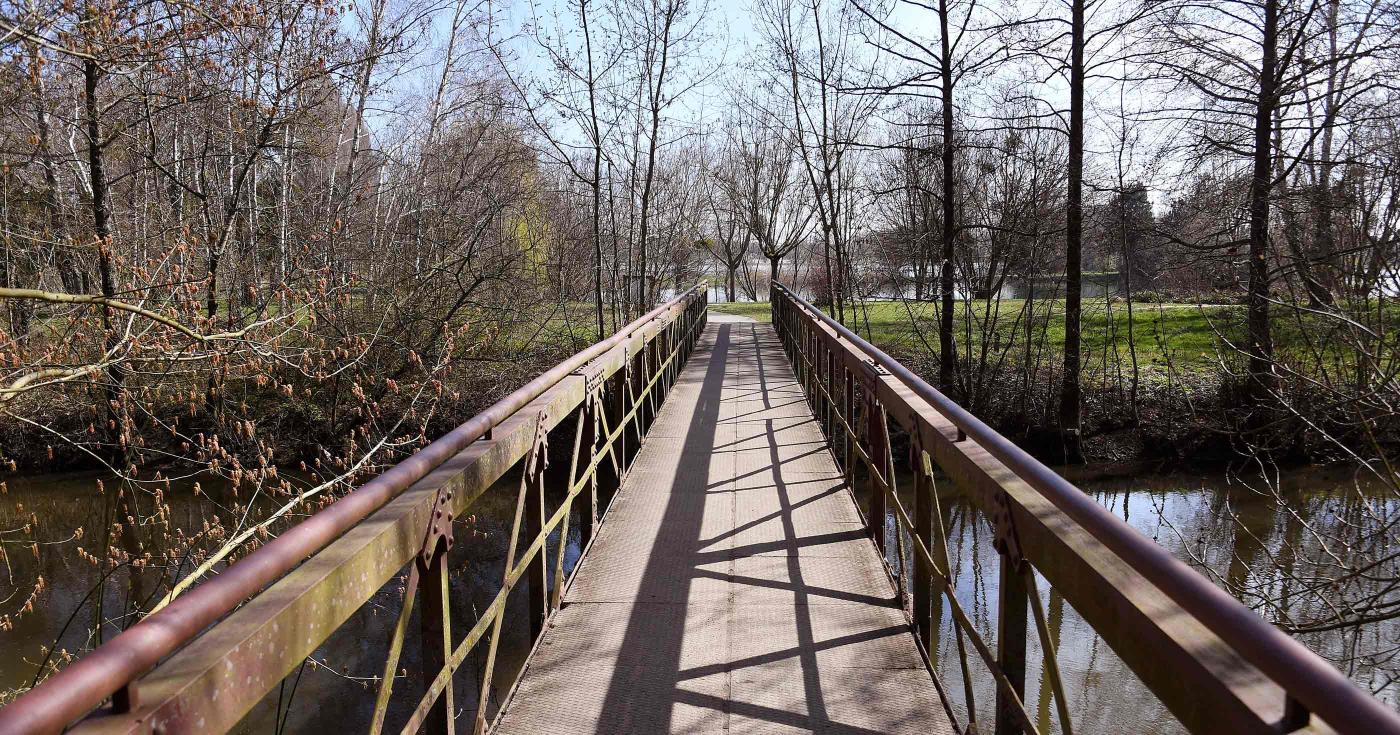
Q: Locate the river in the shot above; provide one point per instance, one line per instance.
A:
(1249, 534)
(1235, 529)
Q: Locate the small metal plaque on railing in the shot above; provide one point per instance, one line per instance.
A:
(593, 375)
(870, 373)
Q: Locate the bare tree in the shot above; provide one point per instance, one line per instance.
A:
(730, 239)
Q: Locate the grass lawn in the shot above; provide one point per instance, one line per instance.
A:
(1188, 337)
(758, 311)
(1184, 334)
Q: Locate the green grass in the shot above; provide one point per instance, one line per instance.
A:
(758, 311)
(1183, 337)
(1184, 334)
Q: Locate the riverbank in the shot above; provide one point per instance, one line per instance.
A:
(262, 421)
(1161, 388)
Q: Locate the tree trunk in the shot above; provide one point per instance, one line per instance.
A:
(102, 229)
(1260, 344)
(1074, 232)
(1324, 240)
(947, 347)
(69, 270)
(114, 394)
(18, 314)
(656, 104)
(1318, 293)
(830, 295)
(362, 96)
(597, 182)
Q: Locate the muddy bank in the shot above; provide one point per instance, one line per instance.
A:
(62, 432)
(1191, 420)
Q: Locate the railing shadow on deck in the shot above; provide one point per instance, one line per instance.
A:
(1214, 664)
(655, 678)
(205, 660)
(640, 696)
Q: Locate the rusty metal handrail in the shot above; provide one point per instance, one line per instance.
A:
(103, 673)
(1305, 677)
(869, 442)
(662, 372)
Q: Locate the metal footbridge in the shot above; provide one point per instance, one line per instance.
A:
(759, 548)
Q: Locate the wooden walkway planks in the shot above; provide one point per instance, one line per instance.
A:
(731, 588)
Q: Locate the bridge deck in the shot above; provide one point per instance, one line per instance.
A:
(732, 588)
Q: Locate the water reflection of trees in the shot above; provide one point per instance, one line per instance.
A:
(1296, 549)
(1312, 554)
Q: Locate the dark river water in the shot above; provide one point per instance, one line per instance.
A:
(1237, 530)
(335, 688)
(1263, 539)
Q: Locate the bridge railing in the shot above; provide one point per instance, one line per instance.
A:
(1214, 664)
(205, 660)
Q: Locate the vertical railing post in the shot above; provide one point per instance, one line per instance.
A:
(877, 446)
(847, 451)
(830, 394)
(538, 568)
(607, 407)
(923, 530)
(814, 377)
(809, 364)
(590, 441)
(800, 348)
(583, 441)
(634, 403)
(622, 387)
(667, 349)
(799, 343)
(1012, 605)
(651, 371)
(643, 403)
(435, 629)
(801, 335)
(658, 356)
(124, 700)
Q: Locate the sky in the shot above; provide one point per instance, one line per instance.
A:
(730, 23)
(733, 36)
